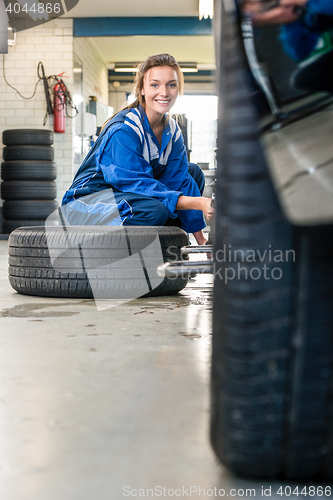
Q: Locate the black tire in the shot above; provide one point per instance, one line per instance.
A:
(43, 153)
(28, 209)
(28, 190)
(24, 137)
(82, 259)
(271, 384)
(28, 170)
(10, 225)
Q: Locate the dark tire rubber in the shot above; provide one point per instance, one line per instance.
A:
(28, 209)
(81, 261)
(28, 171)
(42, 153)
(24, 137)
(272, 372)
(28, 190)
(10, 225)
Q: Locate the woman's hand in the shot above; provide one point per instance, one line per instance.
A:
(207, 208)
(197, 203)
(294, 3)
(283, 14)
(286, 12)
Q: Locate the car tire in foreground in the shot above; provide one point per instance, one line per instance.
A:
(272, 370)
(94, 261)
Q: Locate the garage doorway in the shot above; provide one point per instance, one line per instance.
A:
(201, 113)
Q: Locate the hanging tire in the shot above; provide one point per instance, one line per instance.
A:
(33, 137)
(28, 170)
(28, 190)
(96, 261)
(10, 225)
(43, 153)
(272, 376)
(28, 209)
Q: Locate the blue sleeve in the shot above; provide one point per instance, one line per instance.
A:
(124, 167)
(298, 41)
(321, 7)
(300, 38)
(176, 176)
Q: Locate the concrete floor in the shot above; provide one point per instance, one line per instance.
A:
(108, 404)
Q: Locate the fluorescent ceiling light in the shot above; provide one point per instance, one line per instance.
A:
(186, 67)
(206, 9)
(125, 67)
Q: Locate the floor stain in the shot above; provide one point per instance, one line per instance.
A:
(31, 311)
(188, 298)
(144, 312)
(191, 336)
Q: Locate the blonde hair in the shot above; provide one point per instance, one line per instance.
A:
(151, 62)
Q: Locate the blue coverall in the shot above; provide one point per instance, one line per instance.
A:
(128, 178)
(300, 37)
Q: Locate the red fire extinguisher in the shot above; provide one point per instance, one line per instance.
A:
(59, 107)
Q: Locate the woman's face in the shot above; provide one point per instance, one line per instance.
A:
(161, 89)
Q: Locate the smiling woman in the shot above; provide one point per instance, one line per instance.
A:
(137, 172)
(160, 91)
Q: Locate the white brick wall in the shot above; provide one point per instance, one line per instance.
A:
(46, 44)
(53, 45)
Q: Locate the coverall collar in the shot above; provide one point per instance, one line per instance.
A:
(166, 134)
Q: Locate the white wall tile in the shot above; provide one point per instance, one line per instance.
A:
(53, 45)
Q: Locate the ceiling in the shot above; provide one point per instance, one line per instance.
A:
(135, 8)
(199, 49)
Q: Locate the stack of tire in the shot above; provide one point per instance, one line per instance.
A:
(28, 173)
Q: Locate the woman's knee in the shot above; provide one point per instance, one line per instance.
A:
(149, 212)
(158, 216)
